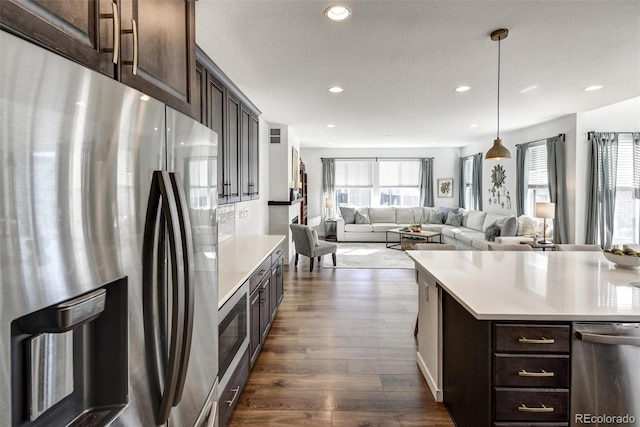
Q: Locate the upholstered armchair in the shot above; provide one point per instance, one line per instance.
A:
(308, 245)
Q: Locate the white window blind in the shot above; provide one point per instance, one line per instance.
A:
(625, 171)
(399, 173)
(537, 162)
(357, 173)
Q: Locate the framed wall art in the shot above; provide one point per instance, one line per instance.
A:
(445, 187)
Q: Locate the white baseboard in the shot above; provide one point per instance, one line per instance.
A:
(435, 391)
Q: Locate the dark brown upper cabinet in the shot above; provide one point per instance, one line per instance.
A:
(146, 44)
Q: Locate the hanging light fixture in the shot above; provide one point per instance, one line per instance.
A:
(498, 151)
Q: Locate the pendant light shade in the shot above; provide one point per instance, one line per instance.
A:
(498, 151)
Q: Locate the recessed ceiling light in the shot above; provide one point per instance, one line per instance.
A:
(144, 97)
(592, 88)
(473, 125)
(335, 89)
(462, 88)
(330, 125)
(529, 89)
(338, 13)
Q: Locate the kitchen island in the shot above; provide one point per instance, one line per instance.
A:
(482, 312)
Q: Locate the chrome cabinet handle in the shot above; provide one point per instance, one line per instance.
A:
(235, 394)
(542, 373)
(542, 340)
(608, 339)
(134, 31)
(116, 31)
(540, 409)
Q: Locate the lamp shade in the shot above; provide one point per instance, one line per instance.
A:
(328, 202)
(498, 151)
(545, 210)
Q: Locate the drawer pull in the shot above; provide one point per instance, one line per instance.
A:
(235, 394)
(542, 340)
(542, 373)
(525, 408)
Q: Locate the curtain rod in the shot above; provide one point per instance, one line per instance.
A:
(470, 155)
(590, 134)
(541, 140)
(376, 158)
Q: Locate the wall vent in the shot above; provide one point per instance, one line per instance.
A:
(275, 135)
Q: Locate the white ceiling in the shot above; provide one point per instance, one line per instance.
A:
(400, 60)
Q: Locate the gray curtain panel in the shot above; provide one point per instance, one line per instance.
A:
(557, 186)
(476, 182)
(522, 177)
(328, 183)
(426, 182)
(461, 201)
(602, 188)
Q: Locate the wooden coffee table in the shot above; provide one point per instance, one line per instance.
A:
(425, 236)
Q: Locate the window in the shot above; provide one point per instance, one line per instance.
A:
(377, 182)
(201, 174)
(627, 209)
(467, 178)
(538, 180)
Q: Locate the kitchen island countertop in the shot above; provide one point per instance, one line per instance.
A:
(549, 286)
(238, 257)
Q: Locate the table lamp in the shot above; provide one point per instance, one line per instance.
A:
(544, 211)
(328, 203)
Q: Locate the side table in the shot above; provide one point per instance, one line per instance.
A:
(543, 246)
(330, 233)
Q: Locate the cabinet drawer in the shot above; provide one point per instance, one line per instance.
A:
(518, 370)
(231, 394)
(261, 272)
(532, 338)
(527, 404)
(277, 254)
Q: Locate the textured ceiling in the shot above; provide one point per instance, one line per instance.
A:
(400, 60)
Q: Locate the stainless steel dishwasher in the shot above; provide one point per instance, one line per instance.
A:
(605, 374)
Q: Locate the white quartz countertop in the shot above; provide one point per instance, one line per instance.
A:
(238, 257)
(535, 285)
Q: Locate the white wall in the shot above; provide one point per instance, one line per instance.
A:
(257, 219)
(445, 165)
(620, 117)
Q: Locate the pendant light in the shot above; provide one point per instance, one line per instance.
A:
(498, 151)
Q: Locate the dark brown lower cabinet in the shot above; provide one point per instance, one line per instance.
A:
(506, 374)
(255, 343)
(231, 393)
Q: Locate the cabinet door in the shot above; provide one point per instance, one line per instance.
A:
(199, 104)
(254, 157)
(245, 171)
(216, 118)
(255, 334)
(73, 28)
(265, 312)
(158, 50)
(273, 292)
(280, 280)
(232, 156)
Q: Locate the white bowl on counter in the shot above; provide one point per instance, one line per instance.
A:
(623, 261)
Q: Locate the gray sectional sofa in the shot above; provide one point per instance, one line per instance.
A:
(372, 223)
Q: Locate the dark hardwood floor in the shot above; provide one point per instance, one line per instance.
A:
(341, 352)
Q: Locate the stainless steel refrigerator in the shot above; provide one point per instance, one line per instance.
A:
(108, 251)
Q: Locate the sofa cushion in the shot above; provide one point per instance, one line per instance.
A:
(451, 231)
(382, 215)
(362, 217)
(426, 213)
(358, 228)
(468, 236)
(509, 227)
(475, 220)
(434, 227)
(384, 226)
(348, 214)
(454, 219)
(481, 244)
(492, 218)
(409, 215)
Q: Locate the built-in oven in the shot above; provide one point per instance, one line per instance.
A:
(233, 329)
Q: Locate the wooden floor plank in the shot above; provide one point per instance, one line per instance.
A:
(341, 352)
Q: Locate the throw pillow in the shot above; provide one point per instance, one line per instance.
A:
(362, 218)
(509, 226)
(314, 233)
(492, 232)
(454, 219)
(527, 226)
(444, 211)
(348, 214)
(435, 218)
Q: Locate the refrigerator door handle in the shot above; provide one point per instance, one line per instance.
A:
(162, 204)
(608, 339)
(187, 253)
